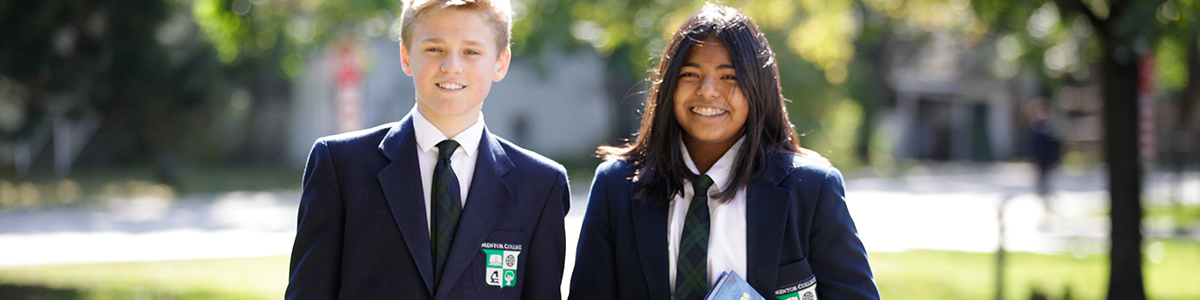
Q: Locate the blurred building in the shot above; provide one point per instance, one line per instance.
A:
(951, 105)
(559, 106)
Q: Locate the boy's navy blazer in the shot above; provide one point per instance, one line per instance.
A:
(797, 226)
(362, 232)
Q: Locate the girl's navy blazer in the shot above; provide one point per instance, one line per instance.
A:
(797, 226)
(362, 232)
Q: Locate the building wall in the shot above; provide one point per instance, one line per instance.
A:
(562, 110)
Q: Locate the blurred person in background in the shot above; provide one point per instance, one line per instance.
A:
(716, 181)
(1044, 147)
(385, 212)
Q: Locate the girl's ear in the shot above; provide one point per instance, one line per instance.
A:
(502, 65)
(404, 64)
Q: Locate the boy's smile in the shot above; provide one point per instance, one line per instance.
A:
(450, 86)
(453, 61)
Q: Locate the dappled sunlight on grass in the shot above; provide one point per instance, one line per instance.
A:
(927, 274)
(235, 278)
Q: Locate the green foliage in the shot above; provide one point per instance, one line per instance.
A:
(829, 50)
(819, 43)
(134, 68)
(223, 27)
(1170, 61)
(845, 116)
(280, 34)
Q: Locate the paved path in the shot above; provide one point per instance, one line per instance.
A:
(952, 207)
(958, 207)
(236, 224)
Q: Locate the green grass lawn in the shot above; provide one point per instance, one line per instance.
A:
(925, 274)
(921, 274)
(235, 278)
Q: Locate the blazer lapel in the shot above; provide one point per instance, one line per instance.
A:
(650, 231)
(766, 217)
(486, 200)
(405, 196)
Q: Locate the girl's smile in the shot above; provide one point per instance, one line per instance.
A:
(708, 111)
(709, 104)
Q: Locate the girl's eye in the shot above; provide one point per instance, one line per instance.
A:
(689, 74)
(734, 77)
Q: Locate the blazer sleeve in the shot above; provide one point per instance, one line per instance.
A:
(547, 246)
(836, 254)
(314, 271)
(595, 271)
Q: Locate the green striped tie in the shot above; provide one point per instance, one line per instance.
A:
(447, 207)
(691, 270)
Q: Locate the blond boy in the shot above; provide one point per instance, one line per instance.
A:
(434, 206)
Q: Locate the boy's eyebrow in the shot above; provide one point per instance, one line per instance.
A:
(440, 40)
(432, 40)
(695, 65)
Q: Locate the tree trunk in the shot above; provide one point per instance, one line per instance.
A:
(1120, 88)
(1192, 91)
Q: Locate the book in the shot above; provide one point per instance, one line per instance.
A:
(730, 286)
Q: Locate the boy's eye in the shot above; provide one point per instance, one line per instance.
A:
(433, 50)
(472, 52)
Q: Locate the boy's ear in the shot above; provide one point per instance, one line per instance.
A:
(404, 60)
(502, 65)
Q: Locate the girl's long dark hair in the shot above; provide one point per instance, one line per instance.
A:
(768, 131)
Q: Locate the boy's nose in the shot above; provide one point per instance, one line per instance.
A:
(452, 65)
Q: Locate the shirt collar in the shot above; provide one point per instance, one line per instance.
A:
(722, 170)
(428, 136)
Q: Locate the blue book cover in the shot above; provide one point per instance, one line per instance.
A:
(730, 286)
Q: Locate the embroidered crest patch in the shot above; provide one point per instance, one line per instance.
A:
(502, 262)
(805, 290)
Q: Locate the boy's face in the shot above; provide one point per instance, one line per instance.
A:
(709, 103)
(453, 61)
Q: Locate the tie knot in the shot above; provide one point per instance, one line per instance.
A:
(701, 184)
(446, 148)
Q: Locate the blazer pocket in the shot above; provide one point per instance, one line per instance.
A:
(796, 281)
(498, 267)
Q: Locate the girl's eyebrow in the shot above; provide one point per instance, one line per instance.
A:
(695, 65)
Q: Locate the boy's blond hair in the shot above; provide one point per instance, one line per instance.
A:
(497, 13)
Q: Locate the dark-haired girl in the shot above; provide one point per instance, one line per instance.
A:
(716, 181)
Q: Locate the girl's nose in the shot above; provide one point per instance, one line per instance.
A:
(708, 89)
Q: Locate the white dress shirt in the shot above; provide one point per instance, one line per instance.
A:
(727, 221)
(462, 161)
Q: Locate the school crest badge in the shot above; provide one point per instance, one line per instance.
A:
(502, 263)
(805, 290)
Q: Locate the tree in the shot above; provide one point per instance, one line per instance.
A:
(1123, 31)
(68, 59)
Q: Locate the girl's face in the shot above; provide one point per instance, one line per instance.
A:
(709, 103)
